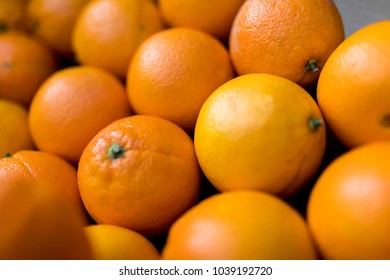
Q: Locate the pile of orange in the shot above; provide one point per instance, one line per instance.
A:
(184, 129)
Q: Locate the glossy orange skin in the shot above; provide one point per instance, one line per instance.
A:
(53, 22)
(282, 38)
(240, 225)
(24, 64)
(213, 16)
(174, 71)
(109, 242)
(72, 106)
(14, 130)
(43, 168)
(348, 210)
(107, 32)
(38, 224)
(254, 132)
(353, 89)
(146, 188)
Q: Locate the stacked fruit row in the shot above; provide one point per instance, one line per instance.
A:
(139, 129)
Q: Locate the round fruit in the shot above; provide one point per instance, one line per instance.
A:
(353, 89)
(24, 64)
(240, 225)
(139, 172)
(15, 133)
(174, 71)
(38, 224)
(292, 39)
(348, 210)
(12, 15)
(107, 32)
(44, 169)
(213, 16)
(260, 132)
(53, 21)
(109, 242)
(71, 106)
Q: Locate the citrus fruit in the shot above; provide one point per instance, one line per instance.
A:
(260, 132)
(139, 172)
(214, 16)
(240, 225)
(107, 32)
(24, 64)
(53, 22)
(71, 106)
(292, 39)
(14, 130)
(109, 242)
(353, 89)
(43, 169)
(38, 224)
(12, 15)
(348, 210)
(174, 71)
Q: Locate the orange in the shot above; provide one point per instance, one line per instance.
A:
(12, 15)
(292, 39)
(107, 32)
(14, 130)
(53, 22)
(174, 71)
(242, 225)
(109, 242)
(353, 89)
(44, 169)
(260, 132)
(24, 64)
(38, 224)
(348, 210)
(140, 173)
(72, 106)
(213, 16)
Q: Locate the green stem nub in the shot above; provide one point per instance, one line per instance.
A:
(315, 123)
(312, 65)
(385, 120)
(7, 155)
(116, 151)
(3, 27)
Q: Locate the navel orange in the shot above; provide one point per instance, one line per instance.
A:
(241, 225)
(24, 64)
(71, 106)
(353, 89)
(348, 210)
(292, 39)
(43, 168)
(107, 32)
(140, 173)
(53, 22)
(174, 71)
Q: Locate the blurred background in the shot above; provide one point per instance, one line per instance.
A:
(359, 13)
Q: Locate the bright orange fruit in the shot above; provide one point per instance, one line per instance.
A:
(240, 225)
(140, 173)
(174, 71)
(348, 210)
